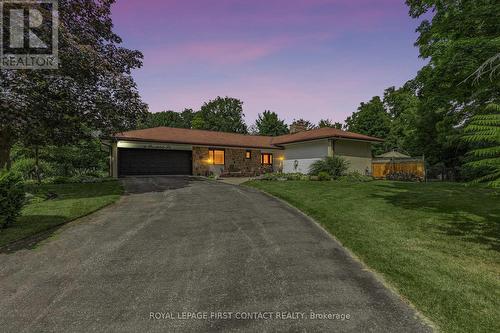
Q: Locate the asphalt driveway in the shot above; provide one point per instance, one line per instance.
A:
(183, 254)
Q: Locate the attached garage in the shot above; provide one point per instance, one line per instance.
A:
(134, 162)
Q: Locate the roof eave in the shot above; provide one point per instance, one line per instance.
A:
(374, 140)
(200, 143)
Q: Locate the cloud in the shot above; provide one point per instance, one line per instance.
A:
(222, 52)
(301, 58)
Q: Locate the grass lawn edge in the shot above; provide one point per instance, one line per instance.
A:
(38, 237)
(379, 276)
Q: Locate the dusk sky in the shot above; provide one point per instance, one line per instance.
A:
(307, 59)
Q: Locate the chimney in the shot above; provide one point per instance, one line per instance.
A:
(297, 127)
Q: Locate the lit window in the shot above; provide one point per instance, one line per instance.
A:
(248, 154)
(267, 159)
(216, 156)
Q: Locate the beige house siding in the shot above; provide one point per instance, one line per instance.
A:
(114, 160)
(278, 159)
(298, 157)
(306, 150)
(357, 153)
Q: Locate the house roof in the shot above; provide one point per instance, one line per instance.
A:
(322, 133)
(393, 154)
(197, 137)
(212, 138)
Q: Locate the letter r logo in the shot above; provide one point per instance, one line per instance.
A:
(17, 35)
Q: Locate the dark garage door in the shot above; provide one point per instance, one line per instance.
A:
(153, 162)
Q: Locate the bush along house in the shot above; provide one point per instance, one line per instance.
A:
(178, 151)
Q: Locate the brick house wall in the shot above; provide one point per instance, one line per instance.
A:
(200, 168)
(235, 162)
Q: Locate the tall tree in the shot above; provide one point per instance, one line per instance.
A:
(460, 36)
(168, 119)
(483, 131)
(221, 114)
(371, 119)
(188, 116)
(328, 123)
(456, 40)
(299, 125)
(402, 106)
(92, 88)
(268, 123)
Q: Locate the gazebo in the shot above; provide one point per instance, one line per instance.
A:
(393, 154)
(396, 165)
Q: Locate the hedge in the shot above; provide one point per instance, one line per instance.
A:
(11, 198)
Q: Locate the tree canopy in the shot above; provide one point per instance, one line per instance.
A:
(168, 119)
(460, 40)
(456, 40)
(370, 119)
(301, 125)
(460, 36)
(328, 123)
(91, 90)
(224, 114)
(268, 123)
(402, 106)
(483, 131)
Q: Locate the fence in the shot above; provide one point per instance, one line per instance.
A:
(386, 168)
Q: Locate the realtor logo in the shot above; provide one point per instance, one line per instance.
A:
(29, 34)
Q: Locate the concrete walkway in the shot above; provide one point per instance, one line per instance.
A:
(235, 180)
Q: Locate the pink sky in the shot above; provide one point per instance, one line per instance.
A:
(309, 59)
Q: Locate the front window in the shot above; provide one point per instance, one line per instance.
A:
(267, 159)
(248, 154)
(216, 156)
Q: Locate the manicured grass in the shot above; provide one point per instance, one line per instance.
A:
(437, 243)
(72, 201)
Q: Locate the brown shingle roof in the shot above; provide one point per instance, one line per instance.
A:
(197, 137)
(212, 138)
(322, 133)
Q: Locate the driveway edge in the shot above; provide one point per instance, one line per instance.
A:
(31, 242)
(378, 276)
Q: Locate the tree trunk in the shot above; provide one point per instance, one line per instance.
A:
(37, 166)
(5, 146)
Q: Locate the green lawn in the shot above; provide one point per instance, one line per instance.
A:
(437, 243)
(72, 201)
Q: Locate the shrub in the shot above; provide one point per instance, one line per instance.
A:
(88, 179)
(323, 175)
(11, 198)
(25, 168)
(403, 176)
(270, 176)
(355, 176)
(82, 158)
(283, 176)
(333, 166)
(293, 176)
